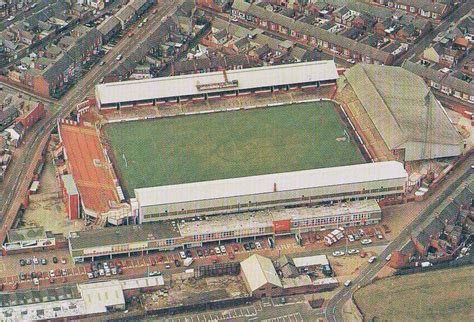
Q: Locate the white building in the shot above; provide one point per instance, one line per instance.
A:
(214, 84)
(308, 187)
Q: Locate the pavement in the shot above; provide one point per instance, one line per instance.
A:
(334, 309)
(295, 309)
(22, 167)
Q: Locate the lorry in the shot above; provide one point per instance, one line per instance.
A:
(188, 261)
(334, 236)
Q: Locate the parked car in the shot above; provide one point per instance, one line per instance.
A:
(347, 283)
(379, 236)
(167, 266)
(389, 256)
(22, 276)
(246, 247)
(55, 259)
(35, 261)
(28, 261)
(361, 232)
(36, 281)
(223, 250)
(182, 254)
(189, 253)
(11, 18)
(113, 270)
(51, 273)
(177, 263)
(199, 253)
(258, 245)
(350, 237)
(236, 248)
(217, 250)
(252, 245)
(64, 272)
(102, 63)
(353, 251)
(338, 253)
(22, 262)
(119, 57)
(366, 241)
(44, 261)
(90, 275)
(154, 273)
(372, 259)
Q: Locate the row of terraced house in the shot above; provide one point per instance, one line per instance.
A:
(309, 34)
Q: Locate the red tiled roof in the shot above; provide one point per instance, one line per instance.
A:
(89, 167)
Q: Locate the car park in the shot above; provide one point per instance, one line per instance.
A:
(372, 259)
(338, 253)
(366, 241)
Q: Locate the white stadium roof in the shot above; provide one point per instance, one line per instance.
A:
(285, 181)
(184, 85)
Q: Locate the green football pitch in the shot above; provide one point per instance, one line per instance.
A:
(230, 144)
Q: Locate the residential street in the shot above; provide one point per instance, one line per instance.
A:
(19, 178)
(334, 307)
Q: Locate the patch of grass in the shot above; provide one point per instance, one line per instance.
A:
(230, 144)
(444, 295)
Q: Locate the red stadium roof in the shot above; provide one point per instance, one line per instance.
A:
(89, 167)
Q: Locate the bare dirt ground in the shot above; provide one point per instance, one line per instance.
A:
(46, 207)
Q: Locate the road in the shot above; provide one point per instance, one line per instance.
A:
(21, 170)
(334, 307)
(454, 16)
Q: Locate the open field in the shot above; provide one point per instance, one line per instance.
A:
(230, 144)
(443, 295)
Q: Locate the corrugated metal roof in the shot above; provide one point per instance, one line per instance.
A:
(184, 85)
(69, 184)
(311, 261)
(394, 98)
(259, 271)
(286, 181)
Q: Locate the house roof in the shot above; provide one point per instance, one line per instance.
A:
(108, 25)
(394, 98)
(313, 31)
(286, 181)
(259, 271)
(440, 78)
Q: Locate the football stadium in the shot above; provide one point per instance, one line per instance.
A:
(224, 145)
